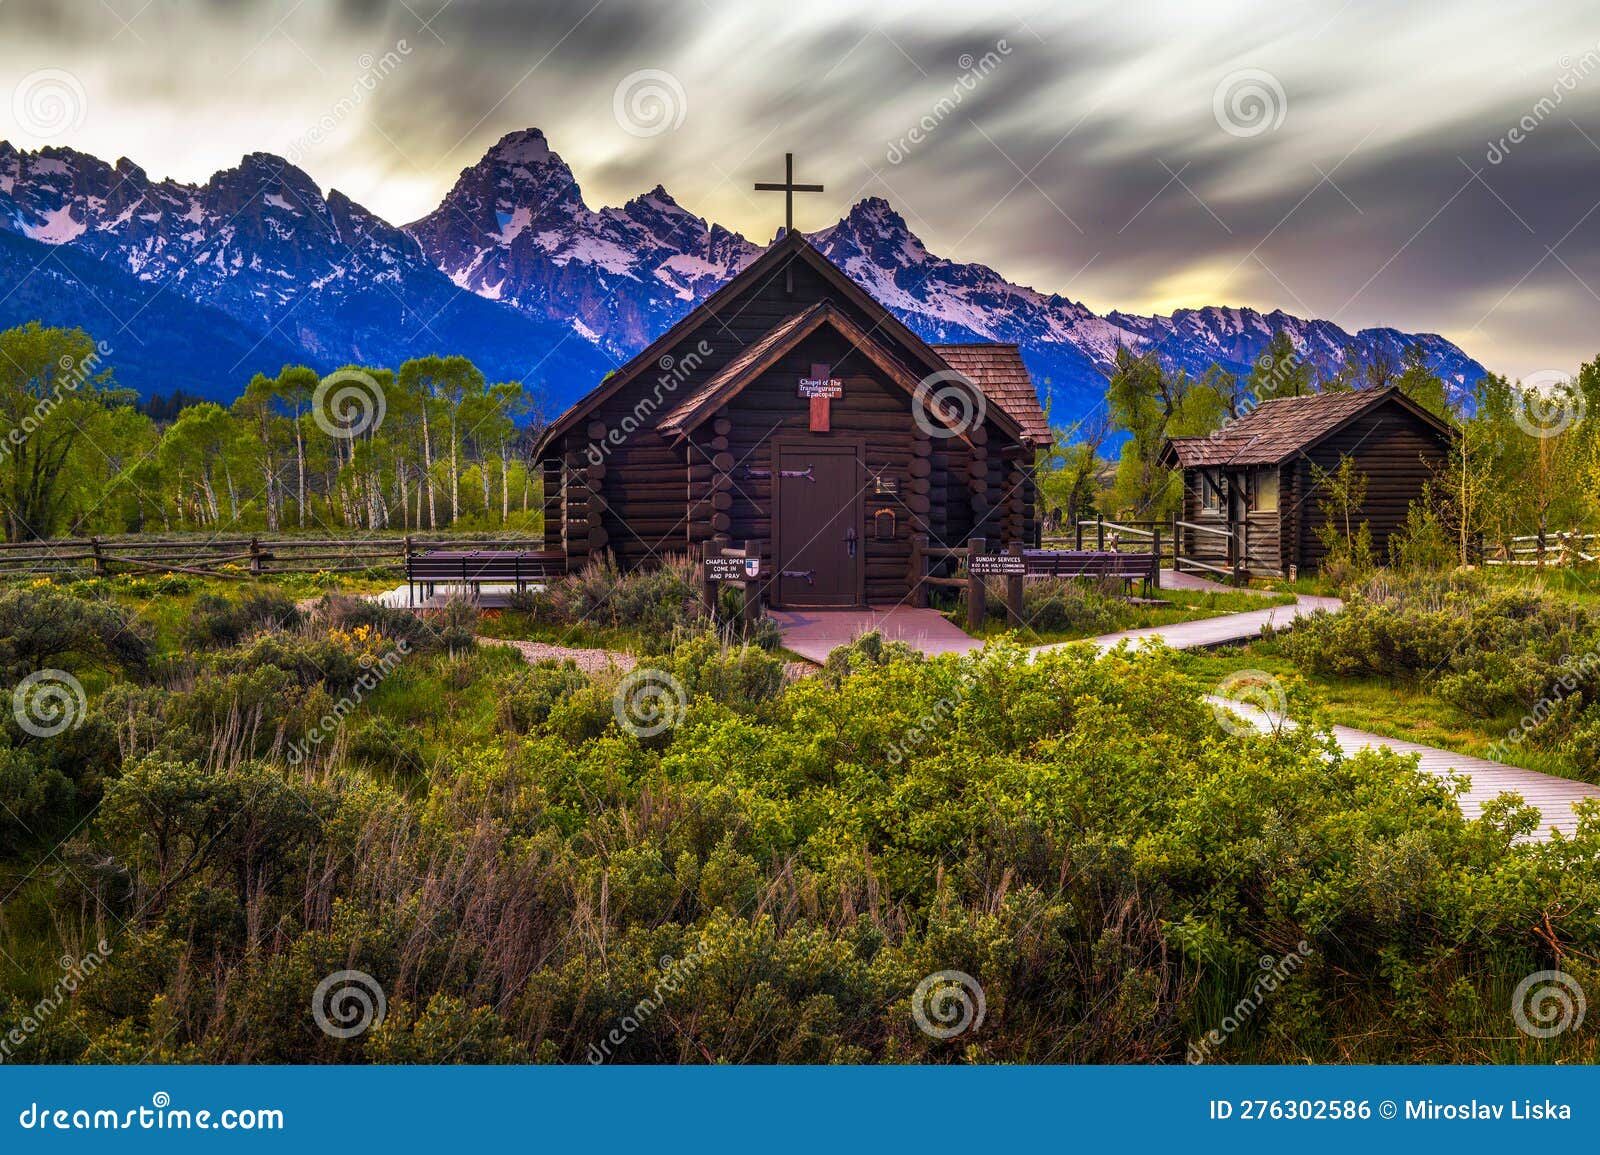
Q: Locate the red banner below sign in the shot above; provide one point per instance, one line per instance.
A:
(822, 387)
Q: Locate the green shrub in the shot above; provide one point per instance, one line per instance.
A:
(218, 621)
(659, 599)
(1051, 605)
(35, 799)
(771, 877)
(530, 695)
(42, 627)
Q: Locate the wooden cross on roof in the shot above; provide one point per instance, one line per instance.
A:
(788, 188)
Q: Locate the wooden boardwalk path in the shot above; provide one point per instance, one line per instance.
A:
(1217, 631)
(814, 634)
(1553, 797)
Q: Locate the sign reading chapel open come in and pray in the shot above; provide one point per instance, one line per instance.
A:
(732, 569)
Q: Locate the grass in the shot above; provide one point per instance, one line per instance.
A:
(522, 626)
(1391, 707)
(165, 602)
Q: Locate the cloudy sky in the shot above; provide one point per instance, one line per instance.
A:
(1426, 166)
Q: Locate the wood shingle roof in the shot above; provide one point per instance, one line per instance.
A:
(998, 372)
(1278, 429)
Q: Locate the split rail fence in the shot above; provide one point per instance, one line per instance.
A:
(233, 557)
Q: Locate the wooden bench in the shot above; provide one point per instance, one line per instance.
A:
(1092, 563)
(479, 567)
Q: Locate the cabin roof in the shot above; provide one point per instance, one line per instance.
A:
(792, 246)
(978, 371)
(997, 370)
(1283, 427)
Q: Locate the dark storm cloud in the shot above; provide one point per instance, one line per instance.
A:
(1134, 194)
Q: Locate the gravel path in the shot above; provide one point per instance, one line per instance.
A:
(594, 661)
(589, 661)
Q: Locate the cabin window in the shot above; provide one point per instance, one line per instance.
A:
(1264, 491)
(1210, 495)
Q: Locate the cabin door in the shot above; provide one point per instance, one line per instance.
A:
(818, 542)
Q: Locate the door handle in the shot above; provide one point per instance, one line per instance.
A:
(808, 575)
(850, 541)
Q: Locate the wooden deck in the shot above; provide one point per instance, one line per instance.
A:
(1553, 797)
(814, 634)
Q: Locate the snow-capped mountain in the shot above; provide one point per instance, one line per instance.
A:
(1070, 349)
(515, 229)
(516, 271)
(319, 278)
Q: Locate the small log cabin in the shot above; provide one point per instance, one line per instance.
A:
(791, 415)
(1249, 499)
